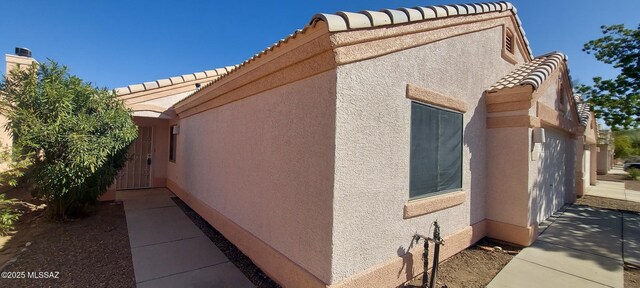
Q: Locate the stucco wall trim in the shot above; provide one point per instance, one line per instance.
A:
(432, 204)
(280, 268)
(434, 98)
(309, 67)
(513, 94)
(554, 118)
(509, 106)
(305, 49)
(400, 270)
(512, 233)
(513, 121)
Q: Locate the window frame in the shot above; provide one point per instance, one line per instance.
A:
(446, 191)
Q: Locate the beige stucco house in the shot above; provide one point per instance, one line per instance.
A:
(322, 156)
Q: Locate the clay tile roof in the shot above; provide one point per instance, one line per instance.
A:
(344, 21)
(531, 73)
(584, 111)
(146, 86)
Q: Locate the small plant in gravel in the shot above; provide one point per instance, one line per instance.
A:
(634, 173)
(75, 134)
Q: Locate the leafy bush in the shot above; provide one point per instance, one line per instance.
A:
(634, 173)
(8, 214)
(76, 135)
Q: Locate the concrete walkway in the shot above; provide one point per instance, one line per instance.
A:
(614, 190)
(582, 247)
(168, 250)
(579, 246)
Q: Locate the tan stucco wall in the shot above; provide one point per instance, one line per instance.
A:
(266, 163)
(372, 145)
(604, 159)
(586, 169)
(508, 153)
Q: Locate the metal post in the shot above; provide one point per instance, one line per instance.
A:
(436, 254)
(425, 261)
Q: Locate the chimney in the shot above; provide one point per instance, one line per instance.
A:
(24, 52)
(21, 58)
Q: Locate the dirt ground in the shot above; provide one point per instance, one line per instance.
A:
(473, 267)
(89, 252)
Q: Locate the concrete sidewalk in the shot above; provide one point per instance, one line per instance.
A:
(168, 250)
(614, 190)
(583, 247)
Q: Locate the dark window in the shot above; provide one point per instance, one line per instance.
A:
(436, 151)
(173, 139)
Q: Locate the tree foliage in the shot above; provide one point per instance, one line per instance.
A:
(75, 134)
(616, 101)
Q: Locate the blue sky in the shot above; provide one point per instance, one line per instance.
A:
(116, 43)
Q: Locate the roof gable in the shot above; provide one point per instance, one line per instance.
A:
(532, 73)
(341, 22)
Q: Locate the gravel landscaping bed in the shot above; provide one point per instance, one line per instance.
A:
(248, 268)
(88, 252)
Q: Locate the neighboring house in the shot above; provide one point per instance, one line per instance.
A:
(322, 156)
(606, 152)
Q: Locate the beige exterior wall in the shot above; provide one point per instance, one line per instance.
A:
(507, 199)
(586, 169)
(372, 146)
(593, 178)
(266, 163)
(604, 159)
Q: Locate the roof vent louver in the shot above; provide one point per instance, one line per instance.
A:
(24, 52)
(508, 42)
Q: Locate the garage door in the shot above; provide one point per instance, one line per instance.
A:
(586, 168)
(553, 171)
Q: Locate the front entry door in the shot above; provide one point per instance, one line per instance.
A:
(137, 172)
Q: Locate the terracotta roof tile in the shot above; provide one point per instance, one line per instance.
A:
(176, 80)
(343, 21)
(584, 111)
(531, 73)
(172, 81)
(150, 85)
(164, 82)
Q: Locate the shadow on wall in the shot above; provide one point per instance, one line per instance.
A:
(407, 262)
(475, 140)
(583, 232)
(554, 172)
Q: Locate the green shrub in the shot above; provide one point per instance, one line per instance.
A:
(634, 173)
(76, 135)
(8, 214)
